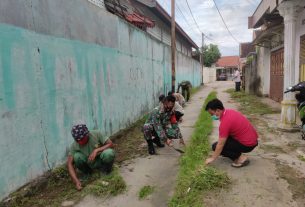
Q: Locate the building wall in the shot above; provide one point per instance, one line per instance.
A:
(209, 74)
(300, 31)
(67, 62)
(252, 80)
(263, 70)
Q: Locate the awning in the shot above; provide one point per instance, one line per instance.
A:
(264, 38)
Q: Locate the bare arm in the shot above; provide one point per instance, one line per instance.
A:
(108, 144)
(218, 150)
(72, 173)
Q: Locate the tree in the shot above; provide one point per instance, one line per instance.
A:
(210, 54)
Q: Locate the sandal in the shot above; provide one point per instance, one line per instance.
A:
(243, 164)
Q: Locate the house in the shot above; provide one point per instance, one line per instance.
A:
(279, 36)
(226, 65)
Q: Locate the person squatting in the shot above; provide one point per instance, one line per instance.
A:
(161, 125)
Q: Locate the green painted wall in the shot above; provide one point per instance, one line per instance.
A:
(47, 84)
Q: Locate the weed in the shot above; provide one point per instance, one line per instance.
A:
(296, 182)
(112, 184)
(146, 191)
(272, 149)
(195, 90)
(60, 188)
(194, 177)
(250, 104)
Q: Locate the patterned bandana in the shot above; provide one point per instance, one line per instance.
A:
(79, 131)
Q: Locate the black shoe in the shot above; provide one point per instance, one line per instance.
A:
(107, 168)
(158, 142)
(151, 149)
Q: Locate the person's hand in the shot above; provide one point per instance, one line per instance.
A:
(169, 142)
(78, 185)
(182, 141)
(92, 155)
(209, 160)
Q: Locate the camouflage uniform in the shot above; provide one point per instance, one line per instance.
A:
(186, 89)
(158, 125)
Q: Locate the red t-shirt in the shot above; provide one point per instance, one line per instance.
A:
(235, 124)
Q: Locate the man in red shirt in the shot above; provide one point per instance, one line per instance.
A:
(236, 134)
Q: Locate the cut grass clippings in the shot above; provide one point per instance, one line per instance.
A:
(194, 177)
(250, 104)
(59, 187)
(146, 191)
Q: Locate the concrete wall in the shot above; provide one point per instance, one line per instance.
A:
(252, 80)
(209, 74)
(86, 66)
(263, 70)
(300, 31)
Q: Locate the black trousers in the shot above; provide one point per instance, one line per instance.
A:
(237, 86)
(233, 148)
(186, 93)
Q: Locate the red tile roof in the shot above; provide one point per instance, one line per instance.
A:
(228, 61)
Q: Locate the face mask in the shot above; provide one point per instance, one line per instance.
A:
(83, 141)
(215, 118)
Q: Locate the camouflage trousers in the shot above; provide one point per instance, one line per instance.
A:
(171, 131)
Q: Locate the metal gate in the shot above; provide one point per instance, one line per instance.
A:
(277, 75)
(302, 58)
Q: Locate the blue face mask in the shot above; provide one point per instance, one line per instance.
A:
(215, 118)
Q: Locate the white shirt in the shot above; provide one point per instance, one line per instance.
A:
(236, 77)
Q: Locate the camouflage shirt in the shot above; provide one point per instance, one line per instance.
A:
(159, 119)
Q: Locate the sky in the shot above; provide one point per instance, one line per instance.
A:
(234, 12)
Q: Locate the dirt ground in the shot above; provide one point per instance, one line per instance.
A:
(276, 174)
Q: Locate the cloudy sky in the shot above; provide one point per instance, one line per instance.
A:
(234, 12)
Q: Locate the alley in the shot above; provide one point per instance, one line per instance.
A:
(273, 178)
(159, 171)
(78, 80)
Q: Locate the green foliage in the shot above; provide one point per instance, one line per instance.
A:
(211, 54)
(250, 104)
(194, 177)
(249, 60)
(112, 184)
(146, 191)
(195, 90)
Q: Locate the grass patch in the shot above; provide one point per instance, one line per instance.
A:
(301, 157)
(194, 177)
(195, 90)
(272, 149)
(58, 187)
(129, 142)
(146, 191)
(250, 104)
(295, 180)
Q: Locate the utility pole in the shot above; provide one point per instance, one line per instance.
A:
(202, 57)
(173, 43)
